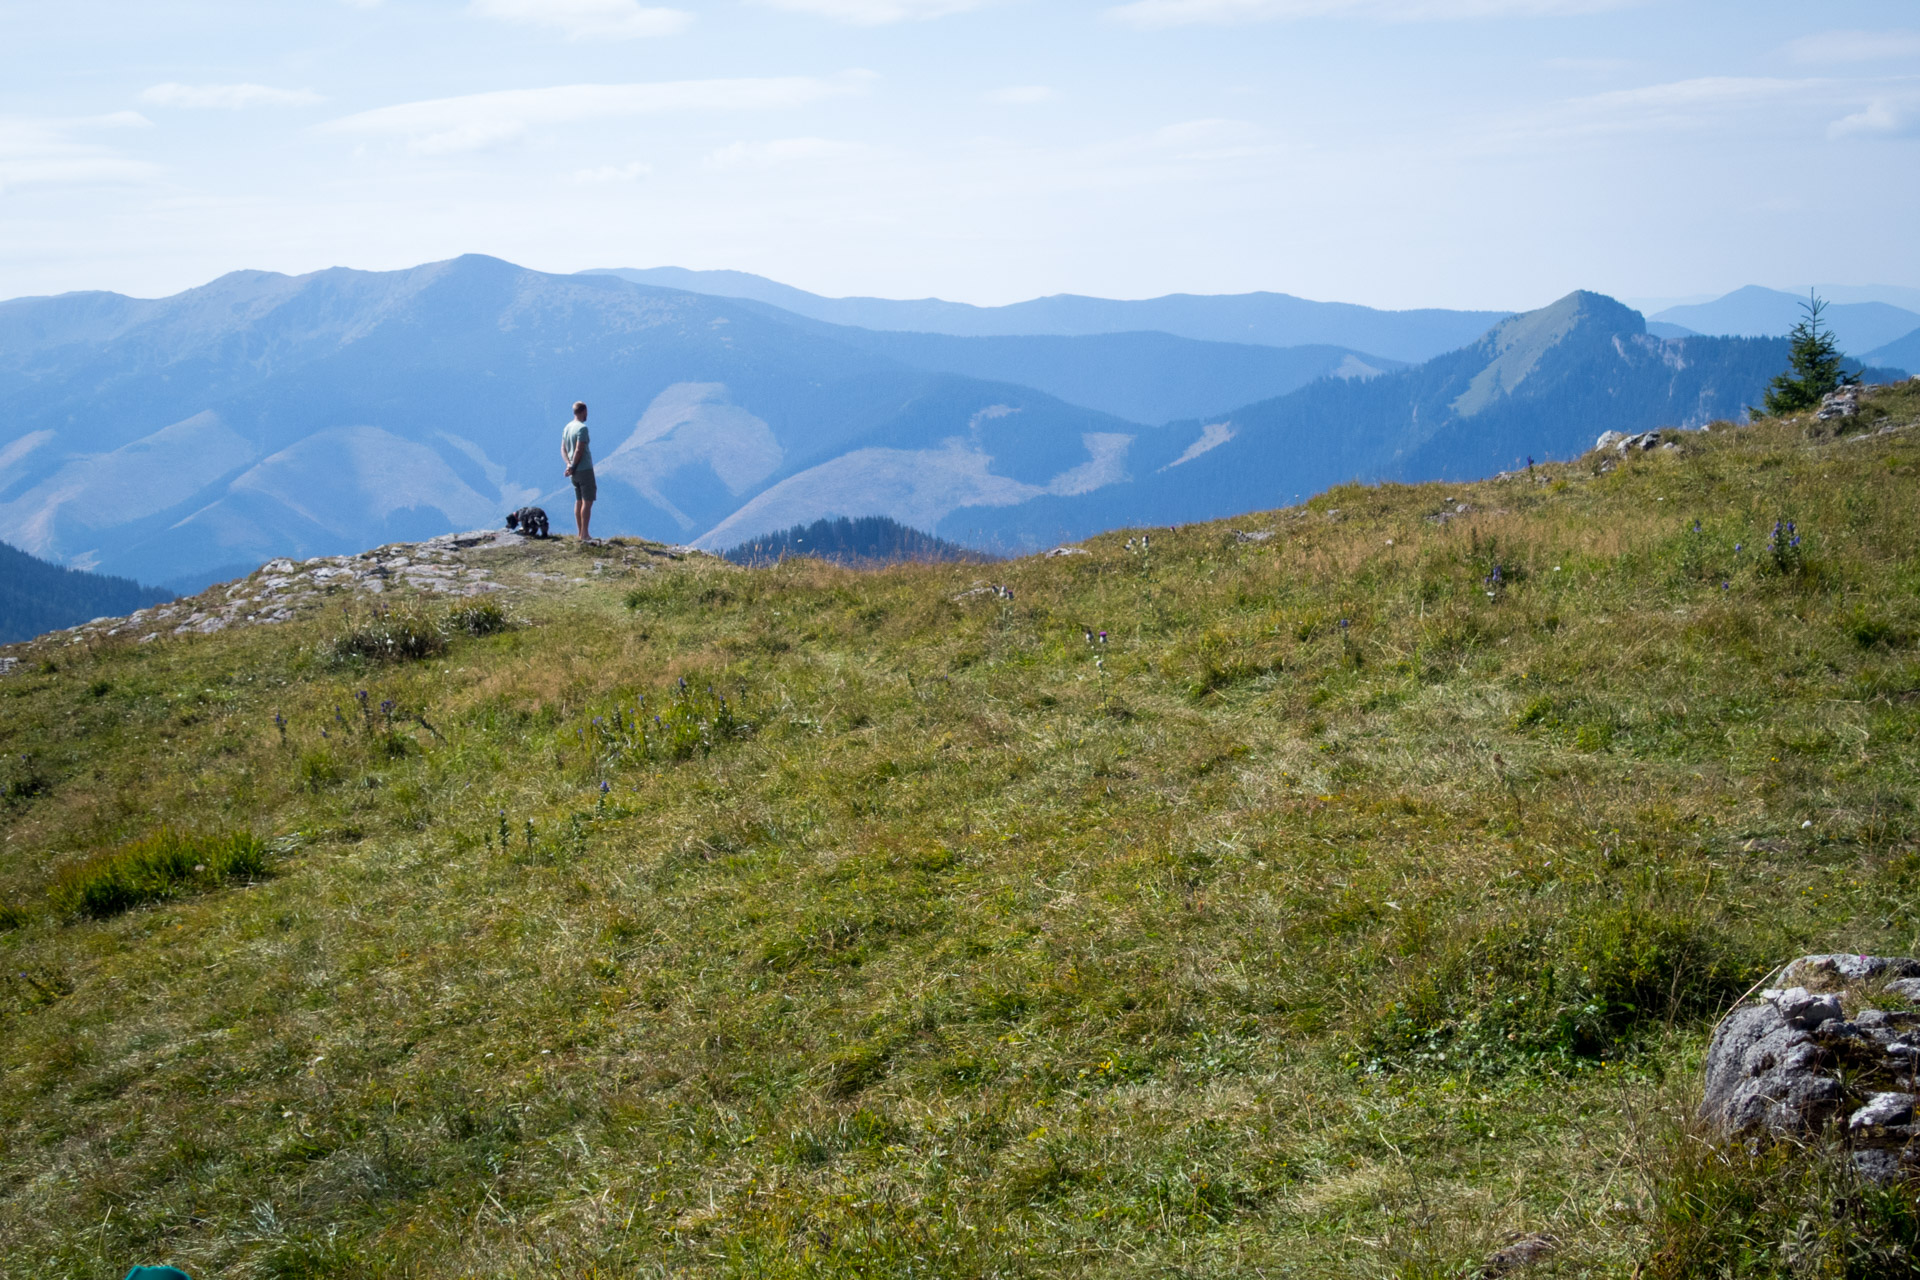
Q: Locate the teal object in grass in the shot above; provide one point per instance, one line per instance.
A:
(157, 1273)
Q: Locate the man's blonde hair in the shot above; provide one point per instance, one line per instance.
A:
(578, 405)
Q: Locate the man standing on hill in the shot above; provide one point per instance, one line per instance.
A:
(576, 453)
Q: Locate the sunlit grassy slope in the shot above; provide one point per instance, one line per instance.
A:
(1350, 910)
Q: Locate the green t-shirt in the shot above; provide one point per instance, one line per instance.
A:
(575, 433)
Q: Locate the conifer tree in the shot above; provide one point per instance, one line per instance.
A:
(1814, 364)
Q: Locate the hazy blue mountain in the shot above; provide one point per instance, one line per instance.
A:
(1754, 312)
(1661, 329)
(1901, 353)
(1545, 383)
(1142, 377)
(37, 597)
(265, 415)
(182, 439)
(1899, 295)
(1262, 319)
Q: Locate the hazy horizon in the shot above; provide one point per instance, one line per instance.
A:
(1897, 295)
(1395, 153)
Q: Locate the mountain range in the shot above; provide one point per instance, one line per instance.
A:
(1262, 319)
(184, 439)
(1878, 332)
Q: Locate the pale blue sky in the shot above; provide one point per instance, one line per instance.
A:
(1482, 153)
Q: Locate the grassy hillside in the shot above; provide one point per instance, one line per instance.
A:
(1345, 890)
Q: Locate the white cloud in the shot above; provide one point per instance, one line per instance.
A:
(46, 153)
(1589, 66)
(589, 19)
(1881, 118)
(1856, 46)
(631, 172)
(1705, 102)
(781, 151)
(1180, 13)
(1022, 95)
(875, 13)
(1708, 93)
(228, 97)
(478, 120)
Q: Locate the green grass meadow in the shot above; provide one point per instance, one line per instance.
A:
(1346, 902)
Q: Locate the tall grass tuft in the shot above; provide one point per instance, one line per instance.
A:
(1778, 1209)
(688, 719)
(167, 864)
(481, 618)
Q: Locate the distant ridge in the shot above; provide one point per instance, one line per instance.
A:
(1142, 377)
(863, 542)
(37, 597)
(1863, 328)
(1263, 319)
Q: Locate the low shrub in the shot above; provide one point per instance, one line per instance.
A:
(408, 634)
(1872, 630)
(1557, 993)
(21, 779)
(387, 635)
(167, 864)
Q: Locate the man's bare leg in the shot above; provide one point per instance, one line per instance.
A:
(582, 516)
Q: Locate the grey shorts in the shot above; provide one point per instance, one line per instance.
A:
(584, 488)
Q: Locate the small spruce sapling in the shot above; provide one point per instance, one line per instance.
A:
(1815, 365)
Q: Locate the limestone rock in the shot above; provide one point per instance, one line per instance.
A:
(1823, 970)
(1882, 1111)
(1804, 1009)
(1809, 1054)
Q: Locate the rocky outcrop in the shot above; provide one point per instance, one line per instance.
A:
(1841, 403)
(1622, 443)
(1820, 1051)
(453, 564)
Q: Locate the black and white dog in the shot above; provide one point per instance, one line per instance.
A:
(531, 521)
